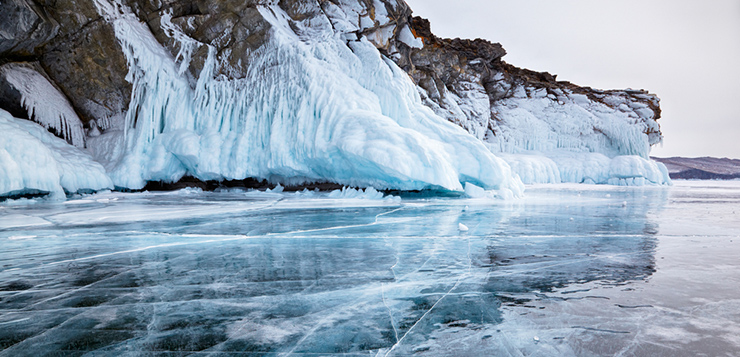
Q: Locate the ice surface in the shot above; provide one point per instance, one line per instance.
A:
(567, 270)
(34, 161)
(45, 104)
(307, 110)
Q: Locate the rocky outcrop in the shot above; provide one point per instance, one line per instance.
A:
(25, 28)
(42, 100)
(467, 82)
(78, 45)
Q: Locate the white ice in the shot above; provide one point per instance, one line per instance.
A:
(586, 167)
(548, 138)
(32, 160)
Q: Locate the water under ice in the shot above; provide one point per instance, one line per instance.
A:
(567, 270)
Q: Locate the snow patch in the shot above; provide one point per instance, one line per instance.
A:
(407, 37)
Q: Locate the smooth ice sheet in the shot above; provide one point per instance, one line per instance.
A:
(568, 270)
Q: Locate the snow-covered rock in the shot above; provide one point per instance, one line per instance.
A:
(547, 130)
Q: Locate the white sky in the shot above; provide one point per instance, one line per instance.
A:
(685, 51)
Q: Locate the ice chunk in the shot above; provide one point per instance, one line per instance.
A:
(368, 193)
(474, 191)
(462, 228)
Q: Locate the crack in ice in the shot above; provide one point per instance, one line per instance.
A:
(390, 313)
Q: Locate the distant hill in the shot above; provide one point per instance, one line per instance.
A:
(702, 168)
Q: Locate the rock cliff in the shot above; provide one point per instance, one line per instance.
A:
(95, 53)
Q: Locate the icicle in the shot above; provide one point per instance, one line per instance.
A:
(44, 103)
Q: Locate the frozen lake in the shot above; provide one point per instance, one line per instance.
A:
(567, 270)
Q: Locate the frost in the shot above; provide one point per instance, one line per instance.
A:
(44, 103)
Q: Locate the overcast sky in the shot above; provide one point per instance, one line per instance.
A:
(685, 51)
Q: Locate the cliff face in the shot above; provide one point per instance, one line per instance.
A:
(76, 49)
(97, 55)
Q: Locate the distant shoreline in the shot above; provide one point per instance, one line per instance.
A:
(701, 168)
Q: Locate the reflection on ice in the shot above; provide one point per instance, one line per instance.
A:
(291, 273)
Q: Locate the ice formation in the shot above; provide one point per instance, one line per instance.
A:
(310, 108)
(547, 130)
(326, 93)
(32, 160)
(548, 138)
(44, 103)
(566, 137)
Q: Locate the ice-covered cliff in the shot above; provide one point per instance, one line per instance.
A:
(354, 92)
(547, 130)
